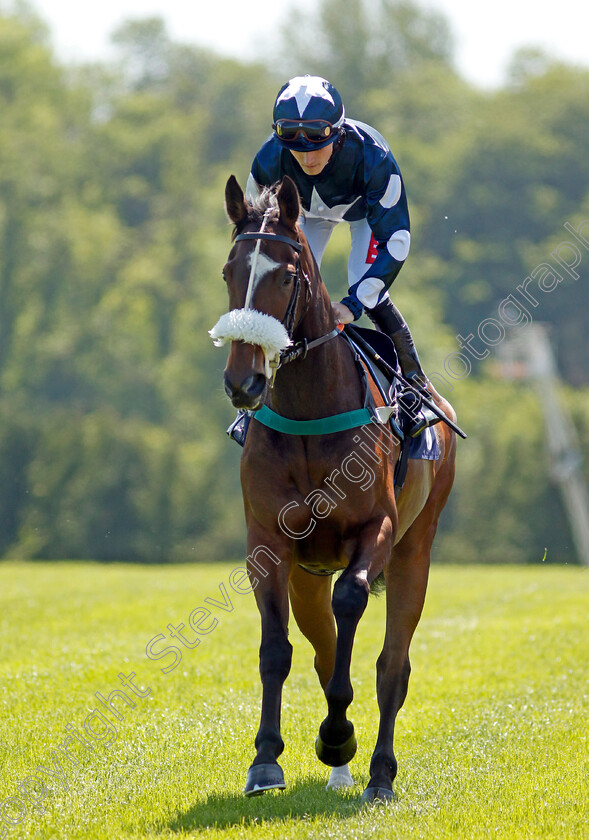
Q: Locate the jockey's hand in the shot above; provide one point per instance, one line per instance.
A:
(341, 313)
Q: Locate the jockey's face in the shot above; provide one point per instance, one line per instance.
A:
(315, 161)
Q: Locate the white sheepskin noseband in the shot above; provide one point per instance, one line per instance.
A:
(253, 327)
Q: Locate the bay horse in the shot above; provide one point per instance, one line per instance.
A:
(307, 508)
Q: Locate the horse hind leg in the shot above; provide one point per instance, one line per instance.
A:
(310, 599)
(406, 579)
(392, 683)
(340, 777)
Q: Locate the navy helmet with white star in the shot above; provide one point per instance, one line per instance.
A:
(308, 113)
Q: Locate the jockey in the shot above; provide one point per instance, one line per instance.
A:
(345, 172)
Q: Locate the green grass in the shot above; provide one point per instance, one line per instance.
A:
(492, 741)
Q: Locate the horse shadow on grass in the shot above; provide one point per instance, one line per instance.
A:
(302, 800)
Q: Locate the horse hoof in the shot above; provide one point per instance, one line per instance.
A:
(336, 756)
(340, 777)
(378, 795)
(263, 777)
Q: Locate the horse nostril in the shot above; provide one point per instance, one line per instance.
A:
(254, 385)
(230, 390)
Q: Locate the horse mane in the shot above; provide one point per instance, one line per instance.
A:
(259, 207)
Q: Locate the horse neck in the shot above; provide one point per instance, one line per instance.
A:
(325, 382)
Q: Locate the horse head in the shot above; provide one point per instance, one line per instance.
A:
(263, 277)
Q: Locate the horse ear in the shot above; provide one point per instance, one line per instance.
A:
(288, 202)
(235, 201)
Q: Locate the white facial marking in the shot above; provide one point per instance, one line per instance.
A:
(264, 265)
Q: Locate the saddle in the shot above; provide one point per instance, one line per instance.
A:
(391, 391)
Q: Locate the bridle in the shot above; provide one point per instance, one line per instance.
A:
(291, 309)
(299, 349)
(289, 318)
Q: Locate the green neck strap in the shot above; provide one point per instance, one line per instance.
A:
(323, 426)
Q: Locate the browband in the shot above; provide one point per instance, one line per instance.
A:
(276, 236)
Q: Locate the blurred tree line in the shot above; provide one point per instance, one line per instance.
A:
(113, 234)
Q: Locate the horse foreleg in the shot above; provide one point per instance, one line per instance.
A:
(310, 599)
(271, 594)
(336, 743)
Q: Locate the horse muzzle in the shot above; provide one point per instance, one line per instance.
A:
(249, 394)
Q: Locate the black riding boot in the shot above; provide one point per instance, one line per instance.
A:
(389, 320)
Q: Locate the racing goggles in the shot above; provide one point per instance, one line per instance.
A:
(315, 131)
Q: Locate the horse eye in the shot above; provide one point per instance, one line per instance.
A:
(288, 278)
(224, 276)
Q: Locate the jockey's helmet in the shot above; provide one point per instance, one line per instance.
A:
(308, 113)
